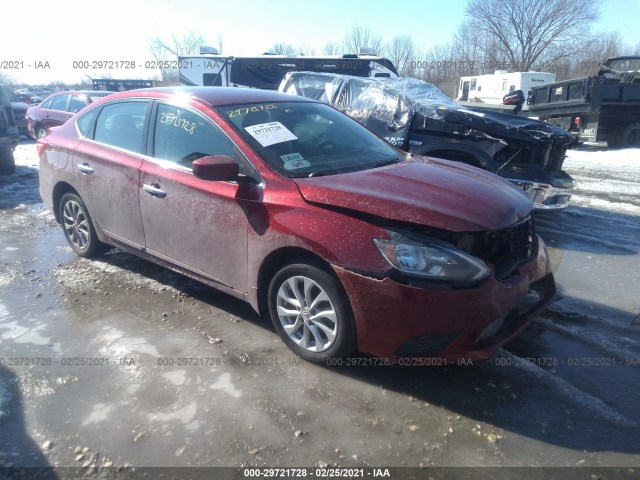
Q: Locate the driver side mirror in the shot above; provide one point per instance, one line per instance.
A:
(216, 167)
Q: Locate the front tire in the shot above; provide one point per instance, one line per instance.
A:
(311, 312)
(78, 227)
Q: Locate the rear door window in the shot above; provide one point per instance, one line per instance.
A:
(121, 125)
(59, 102)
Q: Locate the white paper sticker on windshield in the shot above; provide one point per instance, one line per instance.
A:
(270, 133)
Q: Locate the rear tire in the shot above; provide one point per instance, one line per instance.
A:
(311, 312)
(78, 227)
(629, 136)
(625, 136)
(41, 131)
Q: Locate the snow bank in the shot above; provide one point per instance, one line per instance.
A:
(607, 179)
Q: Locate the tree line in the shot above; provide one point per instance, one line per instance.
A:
(516, 35)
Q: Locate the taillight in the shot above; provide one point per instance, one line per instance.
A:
(41, 146)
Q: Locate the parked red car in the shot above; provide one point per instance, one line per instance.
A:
(57, 109)
(346, 242)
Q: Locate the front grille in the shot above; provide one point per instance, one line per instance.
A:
(505, 249)
(509, 247)
(515, 241)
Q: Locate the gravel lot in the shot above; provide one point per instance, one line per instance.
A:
(117, 362)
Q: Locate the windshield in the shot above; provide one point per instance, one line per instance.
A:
(308, 139)
(625, 65)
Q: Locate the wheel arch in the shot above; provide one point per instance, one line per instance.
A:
(58, 192)
(278, 258)
(346, 341)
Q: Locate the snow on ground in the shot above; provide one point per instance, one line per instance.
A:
(26, 155)
(21, 188)
(607, 179)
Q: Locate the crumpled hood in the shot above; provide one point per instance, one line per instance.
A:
(436, 193)
(431, 103)
(507, 125)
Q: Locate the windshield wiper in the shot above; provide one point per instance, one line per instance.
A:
(386, 162)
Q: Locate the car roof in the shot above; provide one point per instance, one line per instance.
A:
(215, 96)
(82, 92)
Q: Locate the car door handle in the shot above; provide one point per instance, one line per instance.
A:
(154, 189)
(85, 168)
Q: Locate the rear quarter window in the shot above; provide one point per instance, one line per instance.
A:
(85, 122)
(77, 103)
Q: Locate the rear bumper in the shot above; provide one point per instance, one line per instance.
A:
(397, 322)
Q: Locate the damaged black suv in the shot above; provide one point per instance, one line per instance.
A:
(420, 118)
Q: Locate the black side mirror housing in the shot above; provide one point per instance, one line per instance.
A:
(216, 167)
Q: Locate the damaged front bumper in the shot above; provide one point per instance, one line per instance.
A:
(543, 195)
(402, 322)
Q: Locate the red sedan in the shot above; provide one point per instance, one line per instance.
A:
(345, 242)
(57, 109)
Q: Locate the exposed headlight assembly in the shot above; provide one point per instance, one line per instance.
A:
(431, 260)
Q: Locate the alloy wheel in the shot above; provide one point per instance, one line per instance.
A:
(307, 314)
(76, 224)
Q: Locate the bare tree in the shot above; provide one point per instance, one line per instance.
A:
(332, 49)
(220, 43)
(306, 49)
(7, 79)
(587, 60)
(282, 49)
(436, 66)
(402, 52)
(527, 31)
(166, 51)
(360, 36)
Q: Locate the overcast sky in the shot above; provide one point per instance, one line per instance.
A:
(61, 33)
